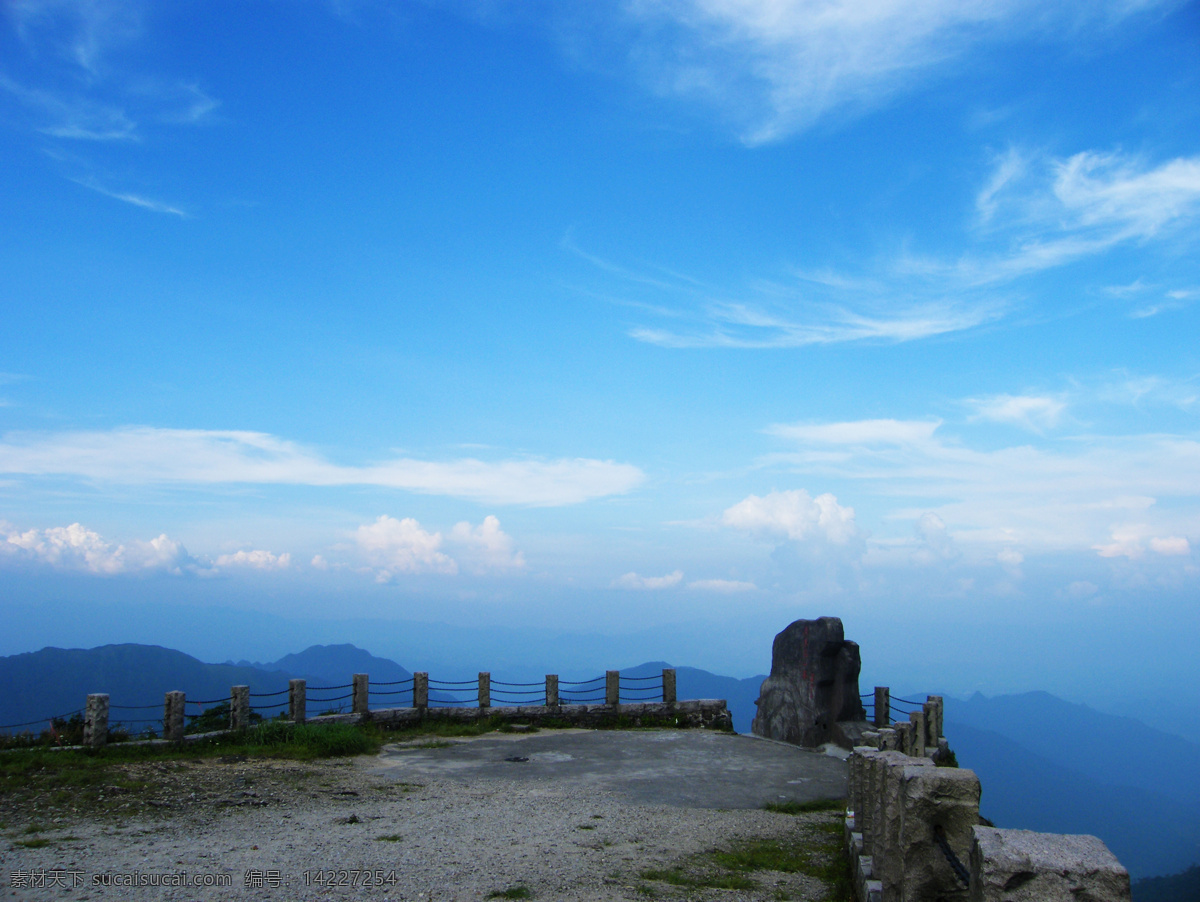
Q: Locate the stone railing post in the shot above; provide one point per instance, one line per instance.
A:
(934, 713)
(95, 720)
(883, 706)
(421, 690)
(485, 689)
(360, 699)
(552, 690)
(239, 707)
(297, 700)
(669, 686)
(173, 709)
(612, 687)
(1047, 867)
(903, 730)
(929, 800)
(917, 719)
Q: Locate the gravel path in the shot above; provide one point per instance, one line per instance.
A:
(279, 830)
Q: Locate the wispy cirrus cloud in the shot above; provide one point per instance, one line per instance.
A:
(141, 455)
(1032, 412)
(1042, 212)
(771, 68)
(136, 200)
(810, 309)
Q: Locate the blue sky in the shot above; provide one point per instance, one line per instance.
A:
(691, 316)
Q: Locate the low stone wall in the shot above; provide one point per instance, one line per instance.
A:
(914, 834)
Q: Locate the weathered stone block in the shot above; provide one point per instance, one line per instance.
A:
(934, 801)
(888, 771)
(813, 684)
(1023, 866)
(239, 707)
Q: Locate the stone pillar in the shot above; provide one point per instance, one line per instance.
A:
(887, 819)
(612, 687)
(934, 713)
(883, 706)
(917, 719)
(1020, 865)
(669, 686)
(421, 690)
(934, 799)
(485, 689)
(552, 690)
(95, 720)
(239, 707)
(297, 700)
(360, 701)
(173, 710)
(903, 730)
(888, 741)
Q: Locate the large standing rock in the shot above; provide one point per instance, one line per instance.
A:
(813, 685)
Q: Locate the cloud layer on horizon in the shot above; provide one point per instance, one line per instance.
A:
(144, 454)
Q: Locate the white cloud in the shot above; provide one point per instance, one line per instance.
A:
(1081, 589)
(633, 581)
(722, 586)
(394, 546)
(1170, 545)
(1055, 210)
(75, 547)
(1010, 557)
(143, 454)
(936, 543)
(258, 560)
(752, 325)
(774, 67)
(403, 546)
(1027, 411)
(1070, 493)
(794, 515)
(1131, 541)
(859, 432)
(486, 546)
(136, 200)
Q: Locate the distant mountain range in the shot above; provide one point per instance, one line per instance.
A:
(1045, 764)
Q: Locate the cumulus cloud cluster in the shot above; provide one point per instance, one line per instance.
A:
(77, 548)
(392, 546)
(794, 515)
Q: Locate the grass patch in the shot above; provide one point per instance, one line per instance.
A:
(586, 827)
(699, 879)
(389, 837)
(806, 807)
(816, 852)
(513, 892)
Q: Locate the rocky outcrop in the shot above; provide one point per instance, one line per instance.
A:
(813, 686)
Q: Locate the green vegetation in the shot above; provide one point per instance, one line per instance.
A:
(389, 837)
(806, 807)
(816, 851)
(513, 892)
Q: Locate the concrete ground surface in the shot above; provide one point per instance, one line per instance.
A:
(685, 768)
(588, 817)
